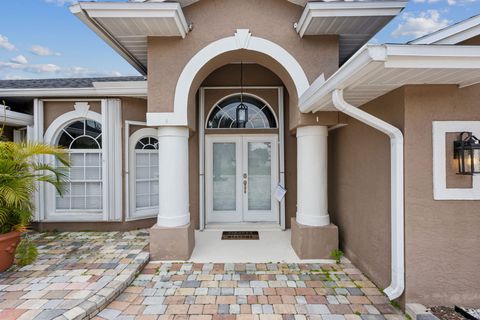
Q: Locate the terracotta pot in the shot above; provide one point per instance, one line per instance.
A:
(8, 244)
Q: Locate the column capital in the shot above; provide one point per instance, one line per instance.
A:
(321, 131)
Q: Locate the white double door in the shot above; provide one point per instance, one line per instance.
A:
(241, 174)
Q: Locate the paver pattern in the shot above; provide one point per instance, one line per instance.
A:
(193, 291)
(75, 275)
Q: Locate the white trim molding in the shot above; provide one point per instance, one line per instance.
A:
(440, 190)
(135, 89)
(35, 134)
(242, 39)
(453, 34)
(13, 118)
(110, 119)
(132, 212)
(112, 157)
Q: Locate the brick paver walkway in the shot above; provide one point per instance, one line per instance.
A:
(251, 291)
(75, 275)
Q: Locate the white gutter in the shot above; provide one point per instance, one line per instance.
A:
(13, 118)
(397, 285)
(110, 89)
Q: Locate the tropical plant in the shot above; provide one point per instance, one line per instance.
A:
(20, 170)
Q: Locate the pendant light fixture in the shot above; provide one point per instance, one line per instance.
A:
(242, 109)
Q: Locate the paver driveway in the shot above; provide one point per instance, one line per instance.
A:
(251, 291)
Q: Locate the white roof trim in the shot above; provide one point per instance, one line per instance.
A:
(91, 13)
(13, 118)
(101, 89)
(378, 69)
(453, 34)
(347, 9)
(355, 22)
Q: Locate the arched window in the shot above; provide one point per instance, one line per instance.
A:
(143, 174)
(146, 174)
(224, 114)
(83, 139)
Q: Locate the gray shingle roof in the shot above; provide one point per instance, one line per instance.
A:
(62, 82)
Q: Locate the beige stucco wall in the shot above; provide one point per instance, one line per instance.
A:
(216, 19)
(359, 187)
(475, 41)
(442, 238)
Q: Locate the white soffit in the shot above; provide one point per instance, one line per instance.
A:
(186, 3)
(453, 34)
(355, 22)
(378, 69)
(126, 26)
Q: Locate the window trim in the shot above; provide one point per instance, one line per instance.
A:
(132, 212)
(82, 112)
(111, 120)
(251, 95)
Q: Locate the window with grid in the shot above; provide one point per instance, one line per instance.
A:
(146, 173)
(84, 191)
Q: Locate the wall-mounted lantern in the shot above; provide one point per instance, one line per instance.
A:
(467, 153)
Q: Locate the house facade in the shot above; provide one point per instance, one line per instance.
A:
(232, 110)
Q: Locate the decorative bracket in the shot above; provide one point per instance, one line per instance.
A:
(242, 38)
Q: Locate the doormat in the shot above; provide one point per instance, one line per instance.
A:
(240, 235)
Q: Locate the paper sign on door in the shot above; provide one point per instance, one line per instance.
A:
(280, 193)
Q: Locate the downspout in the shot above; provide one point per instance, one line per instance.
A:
(397, 284)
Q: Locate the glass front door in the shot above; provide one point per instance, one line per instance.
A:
(241, 177)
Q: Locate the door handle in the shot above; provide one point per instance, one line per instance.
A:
(245, 182)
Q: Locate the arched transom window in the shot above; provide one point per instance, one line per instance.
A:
(83, 139)
(224, 114)
(146, 174)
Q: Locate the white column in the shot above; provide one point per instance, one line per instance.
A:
(312, 201)
(173, 177)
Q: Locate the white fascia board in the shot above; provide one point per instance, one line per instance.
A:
(121, 84)
(453, 34)
(77, 10)
(138, 10)
(76, 92)
(432, 56)
(372, 57)
(347, 9)
(358, 65)
(14, 118)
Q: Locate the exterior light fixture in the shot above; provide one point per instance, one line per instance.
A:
(242, 109)
(467, 153)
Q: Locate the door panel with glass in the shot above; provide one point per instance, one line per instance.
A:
(241, 176)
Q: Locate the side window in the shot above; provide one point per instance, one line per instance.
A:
(83, 139)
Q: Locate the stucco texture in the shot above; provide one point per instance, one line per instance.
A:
(214, 20)
(359, 187)
(441, 237)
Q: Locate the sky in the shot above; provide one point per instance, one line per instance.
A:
(42, 39)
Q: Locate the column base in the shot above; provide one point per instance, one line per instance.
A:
(314, 242)
(171, 243)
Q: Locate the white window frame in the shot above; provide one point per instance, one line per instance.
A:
(110, 119)
(133, 213)
(101, 180)
(440, 190)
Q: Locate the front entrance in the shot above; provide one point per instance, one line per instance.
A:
(241, 174)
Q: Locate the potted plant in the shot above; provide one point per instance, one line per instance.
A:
(20, 171)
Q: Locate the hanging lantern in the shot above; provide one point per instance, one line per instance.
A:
(467, 153)
(242, 115)
(242, 109)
